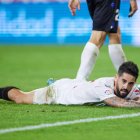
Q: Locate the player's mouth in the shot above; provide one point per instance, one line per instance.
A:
(124, 92)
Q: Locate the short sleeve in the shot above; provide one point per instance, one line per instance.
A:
(104, 93)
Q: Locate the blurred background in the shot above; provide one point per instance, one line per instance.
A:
(50, 22)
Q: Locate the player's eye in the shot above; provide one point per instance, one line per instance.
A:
(131, 83)
(124, 81)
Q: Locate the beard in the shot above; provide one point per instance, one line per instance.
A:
(122, 93)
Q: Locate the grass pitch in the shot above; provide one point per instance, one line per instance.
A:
(28, 67)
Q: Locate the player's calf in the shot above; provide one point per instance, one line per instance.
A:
(21, 97)
(14, 94)
(4, 92)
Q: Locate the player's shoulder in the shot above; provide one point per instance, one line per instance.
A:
(136, 89)
(135, 92)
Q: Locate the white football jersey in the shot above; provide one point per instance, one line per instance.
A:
(76, 92)
(73, 91)
(134, 93)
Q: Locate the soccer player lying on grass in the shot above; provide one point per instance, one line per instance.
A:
(118, 91)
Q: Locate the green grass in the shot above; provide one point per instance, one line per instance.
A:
(28, 67)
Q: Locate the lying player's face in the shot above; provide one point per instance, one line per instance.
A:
(124, 84)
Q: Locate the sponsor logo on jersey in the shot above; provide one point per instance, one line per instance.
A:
(108, 92)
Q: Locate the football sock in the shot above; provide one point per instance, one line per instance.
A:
(88, 59)
(4, 92)
(116, 54)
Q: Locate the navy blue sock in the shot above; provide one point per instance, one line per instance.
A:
(4, 92)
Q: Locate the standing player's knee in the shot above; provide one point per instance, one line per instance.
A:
(98, 38)
(115, 38)
(119, 37)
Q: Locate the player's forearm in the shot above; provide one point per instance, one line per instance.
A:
(130, 103)
(118, 102)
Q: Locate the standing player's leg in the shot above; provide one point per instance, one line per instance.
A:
(103, 15)
(91, 49)
(115, 49)
(90, 54)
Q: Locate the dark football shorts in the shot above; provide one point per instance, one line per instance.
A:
(105, 14)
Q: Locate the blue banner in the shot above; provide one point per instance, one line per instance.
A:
(52, 22)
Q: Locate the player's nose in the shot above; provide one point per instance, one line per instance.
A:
(125, 86)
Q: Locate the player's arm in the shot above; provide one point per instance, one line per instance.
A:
(137, 99)
(73, 6)
(119, 102)
(133, 7)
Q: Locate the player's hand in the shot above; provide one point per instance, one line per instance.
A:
(133, 7)
(73, 6)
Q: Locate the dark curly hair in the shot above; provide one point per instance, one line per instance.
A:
(130, 68)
